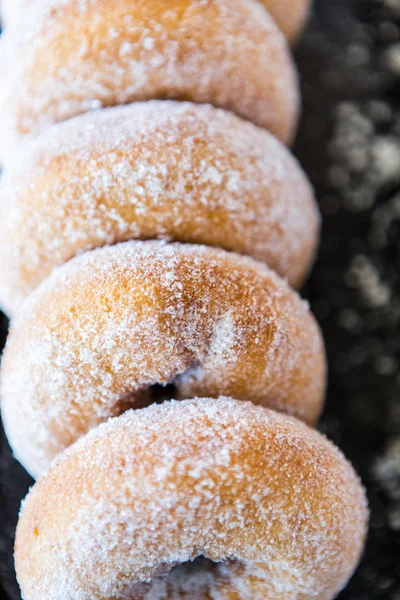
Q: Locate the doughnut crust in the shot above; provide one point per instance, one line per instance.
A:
(156, 169)
(274, 504)
(105, 327)
(290, 15)
(109, 52)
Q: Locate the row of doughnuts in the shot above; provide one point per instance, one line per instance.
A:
(134, 244)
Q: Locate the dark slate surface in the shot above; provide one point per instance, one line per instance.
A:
(349, 143)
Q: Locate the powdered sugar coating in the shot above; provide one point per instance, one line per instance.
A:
(109, 324)
(210, 477)
(157, 169)
(274, 504)
(290, 15)
(67, 57)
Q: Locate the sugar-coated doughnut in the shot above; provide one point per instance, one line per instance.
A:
(108, 52)
(105, 327)
(290, 15)
(271, 502)
(157, 169)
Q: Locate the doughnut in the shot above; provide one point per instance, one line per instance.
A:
(106, 326)
(105, 52)
(290, 15)
(206, 499)
(156, 169)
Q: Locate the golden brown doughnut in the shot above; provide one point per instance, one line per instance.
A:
(290, 15)
(271, 502)
(80, 55)
(105, 327)
(171, 170)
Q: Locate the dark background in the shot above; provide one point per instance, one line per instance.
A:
(349, 143)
